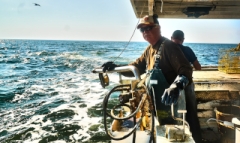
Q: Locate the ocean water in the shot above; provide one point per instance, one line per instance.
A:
(48, 93)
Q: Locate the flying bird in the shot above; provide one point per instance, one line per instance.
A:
(36, 4)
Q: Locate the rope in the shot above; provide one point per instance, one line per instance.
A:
(130, 37)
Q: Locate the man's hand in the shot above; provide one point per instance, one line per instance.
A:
(108, 66)
(171, 95)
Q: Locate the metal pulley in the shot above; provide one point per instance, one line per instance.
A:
(104, 80)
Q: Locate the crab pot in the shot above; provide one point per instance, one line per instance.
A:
(226, 113)
(229, 61)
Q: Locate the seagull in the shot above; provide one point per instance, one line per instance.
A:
(36, 4)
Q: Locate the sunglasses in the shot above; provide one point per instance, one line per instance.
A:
(146, 29)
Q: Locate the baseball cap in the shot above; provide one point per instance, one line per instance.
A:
(148, 20)
(178, 34)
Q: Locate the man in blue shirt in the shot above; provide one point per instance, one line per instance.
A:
(191, 103)
(178, 38)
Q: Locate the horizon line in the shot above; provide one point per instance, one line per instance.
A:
(106, 41)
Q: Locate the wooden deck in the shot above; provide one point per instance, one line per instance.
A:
(213, 75)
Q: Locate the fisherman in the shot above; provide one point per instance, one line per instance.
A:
(166, 62)
(178, 38)
(191, 104)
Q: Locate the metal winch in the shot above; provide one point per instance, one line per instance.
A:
(133, 118)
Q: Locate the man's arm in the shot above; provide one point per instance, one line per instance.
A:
(140, 64)
(183, 70)
(178, 61)
(193, 58)
(197, 65)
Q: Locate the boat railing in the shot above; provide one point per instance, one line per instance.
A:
(133, 69)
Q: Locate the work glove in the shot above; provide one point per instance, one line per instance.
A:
(108, 66)
(171, 94)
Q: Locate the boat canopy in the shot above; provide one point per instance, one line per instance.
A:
(188, 9)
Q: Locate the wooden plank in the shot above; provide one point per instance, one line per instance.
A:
(207, 110)
(217, 76)
(174, 8)
(209, 95)
(212, 104)
(221, 85)
(206, 114)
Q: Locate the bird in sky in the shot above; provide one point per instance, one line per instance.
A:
(36, 4)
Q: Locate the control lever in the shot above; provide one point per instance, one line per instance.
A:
(172, 131)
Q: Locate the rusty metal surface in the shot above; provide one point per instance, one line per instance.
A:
(227, 134)
(226, 113)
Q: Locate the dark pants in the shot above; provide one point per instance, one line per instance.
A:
(191, 116)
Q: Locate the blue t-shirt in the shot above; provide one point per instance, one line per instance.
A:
(188, 52)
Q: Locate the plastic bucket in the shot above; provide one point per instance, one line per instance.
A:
(237, 135)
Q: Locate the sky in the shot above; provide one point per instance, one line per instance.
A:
(100, 20)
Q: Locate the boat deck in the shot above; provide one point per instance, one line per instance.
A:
(213, 75)
(214, 88)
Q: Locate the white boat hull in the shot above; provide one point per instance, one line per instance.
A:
(144, 137)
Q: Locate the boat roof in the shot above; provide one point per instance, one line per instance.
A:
(188, 9)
